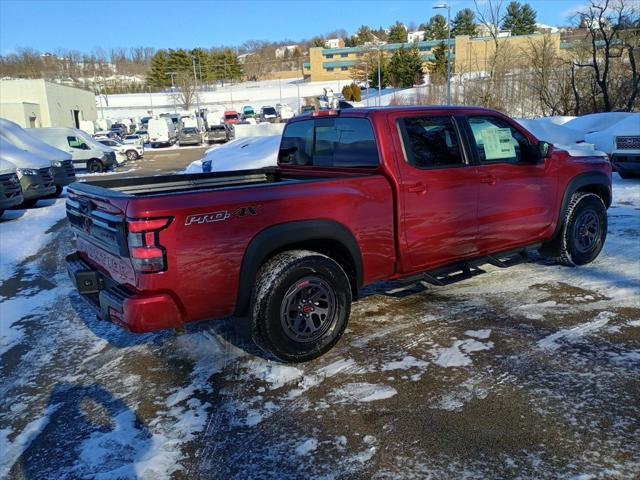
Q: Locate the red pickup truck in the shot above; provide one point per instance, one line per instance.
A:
(358, 196)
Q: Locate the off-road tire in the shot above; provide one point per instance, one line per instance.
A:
(566, 248)
(290, 273)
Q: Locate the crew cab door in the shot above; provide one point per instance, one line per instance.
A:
(516, 196)
(438, 189)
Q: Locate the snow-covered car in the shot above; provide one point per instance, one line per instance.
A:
(131, 151)
(621, 140)
(240, 154)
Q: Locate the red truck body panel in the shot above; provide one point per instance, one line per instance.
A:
(404, 220)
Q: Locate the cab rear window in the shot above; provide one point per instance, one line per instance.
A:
(330, 142)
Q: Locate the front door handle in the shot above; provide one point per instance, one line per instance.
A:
(419, 187)
(490, 179)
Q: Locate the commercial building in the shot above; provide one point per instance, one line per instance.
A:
(469, 54)
(38, 103)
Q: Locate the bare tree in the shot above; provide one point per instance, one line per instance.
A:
(186, 94)
(610, 34)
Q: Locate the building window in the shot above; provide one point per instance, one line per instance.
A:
(329, 69)
(344, 69)
(344, 55)
(328, 55)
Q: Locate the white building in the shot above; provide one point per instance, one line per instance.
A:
(282, 51)
(416, 36)
(38, 103)
(334, 43)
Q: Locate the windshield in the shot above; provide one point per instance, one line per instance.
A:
(231, 116)
(189, 130)
(269, 111)
(217, 128)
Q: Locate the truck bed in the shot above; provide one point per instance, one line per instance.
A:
(179, 183)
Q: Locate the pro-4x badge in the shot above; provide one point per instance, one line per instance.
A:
(220, 216)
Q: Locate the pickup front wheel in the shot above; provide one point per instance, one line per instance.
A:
(301, 305)
(583, 232)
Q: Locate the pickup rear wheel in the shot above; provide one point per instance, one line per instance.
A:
(301, 305)
(584, 230)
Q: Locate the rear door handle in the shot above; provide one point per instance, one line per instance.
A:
(418, 188)
(490, 179)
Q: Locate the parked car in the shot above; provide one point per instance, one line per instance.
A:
(120, 129)
(133, 151)
(230, 117)
(133, 139)
(189, 136)
(248, 111)
(625, 155)
(307, 109)
(162, 131)
(61, 161)
(34, 172)
(359, 196)
(219, 133)
(285, 112)
(86, 152)
(106, 134)
(144, 134)
(268, 114)
(10, 191)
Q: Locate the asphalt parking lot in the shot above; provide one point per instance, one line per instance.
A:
(527, 372)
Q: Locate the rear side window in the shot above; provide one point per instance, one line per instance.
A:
(431, 142)
(497, 141)
(330, 142)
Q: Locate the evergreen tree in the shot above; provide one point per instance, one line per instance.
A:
(464, 23)
(364, 35)
(384, 73)
(318, 42)
(158, 76)
(519, 19)
(436, 29)
(405, 68)
(347, 92)
(397, 33)
(438, 67)
(356, 93)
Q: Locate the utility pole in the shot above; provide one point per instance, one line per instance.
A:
(100, 100)
(195, 86)
(448, 7)
(173, 91)
(150, 99)
(379, 80)
(280, 87)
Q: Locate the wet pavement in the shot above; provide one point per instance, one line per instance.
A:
(527, 372)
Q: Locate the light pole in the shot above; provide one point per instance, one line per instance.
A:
(173, 92)
(379, 80)
(448, 7)
(195, 85)
(280, 87)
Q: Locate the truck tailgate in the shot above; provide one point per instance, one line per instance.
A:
(100, 228)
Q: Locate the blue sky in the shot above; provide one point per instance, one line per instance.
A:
(85, 24)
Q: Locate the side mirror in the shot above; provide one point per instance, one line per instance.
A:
(84, 146)
(544, 150)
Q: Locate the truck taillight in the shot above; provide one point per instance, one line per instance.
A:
(147, 255)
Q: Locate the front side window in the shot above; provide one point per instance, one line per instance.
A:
(74, 142)
(330, 142)
(431, 142)
(497, 141)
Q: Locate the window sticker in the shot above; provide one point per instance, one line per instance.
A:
(498, 143)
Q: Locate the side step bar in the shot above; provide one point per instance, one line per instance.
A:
(465, 270)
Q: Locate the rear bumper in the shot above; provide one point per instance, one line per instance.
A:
(138, 313)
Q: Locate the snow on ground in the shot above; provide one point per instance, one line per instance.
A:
(530, 371)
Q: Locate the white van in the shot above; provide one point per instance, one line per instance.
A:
(85, 151)
(34, 172)
(162, 131)
(10, 191)
(61, 162)
(103, 124)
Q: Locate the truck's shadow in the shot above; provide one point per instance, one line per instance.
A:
(84, 430)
